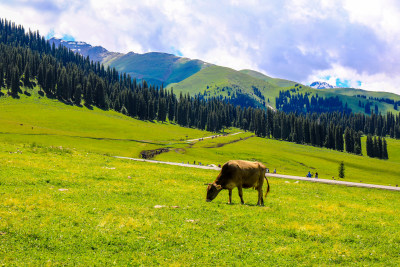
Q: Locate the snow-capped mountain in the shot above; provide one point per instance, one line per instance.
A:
(96, 53)
(321, 85)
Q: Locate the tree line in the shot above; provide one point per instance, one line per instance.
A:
(25, 58)
(292, 101)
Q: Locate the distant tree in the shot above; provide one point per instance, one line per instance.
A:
(357, 143)
(349, 140)
(367, 108)
(1, 75)
(27, 76)
(78, 95)
(15, 81)
(341, 169)
(376, 148)
(384, 151)
(370, 146)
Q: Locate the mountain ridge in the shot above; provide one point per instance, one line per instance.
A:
(245, 87)
(322, 85)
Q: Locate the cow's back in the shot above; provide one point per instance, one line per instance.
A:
(241, 173)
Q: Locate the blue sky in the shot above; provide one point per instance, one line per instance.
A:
(345, 42)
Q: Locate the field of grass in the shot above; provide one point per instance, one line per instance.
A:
(274, 81)
(214, 78)
(62, 206)
(155, 67)
(293, 159)
(49, 122)
(66, 201)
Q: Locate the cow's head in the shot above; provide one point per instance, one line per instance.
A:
(212, 191)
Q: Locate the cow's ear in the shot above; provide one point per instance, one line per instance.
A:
(219, 187)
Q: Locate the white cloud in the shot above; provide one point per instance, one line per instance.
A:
(375, 82)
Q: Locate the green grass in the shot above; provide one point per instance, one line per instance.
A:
(215, 78)
(70, 207)
(293, 159)
(274, 81)
(155, 67)
(66, 201)
(49, 122)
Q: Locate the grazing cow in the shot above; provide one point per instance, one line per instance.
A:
(240, 174)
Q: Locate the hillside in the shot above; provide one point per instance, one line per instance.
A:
(46, 122)
(275, 81)
(156, 68)
(217, 81)
(196, 76)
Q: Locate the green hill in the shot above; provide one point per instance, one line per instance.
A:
(216, 81)
(156, 68)
(47, 122)
(221, 81)
(250, 88)
(275, 81)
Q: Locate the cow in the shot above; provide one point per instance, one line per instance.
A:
(240, 174)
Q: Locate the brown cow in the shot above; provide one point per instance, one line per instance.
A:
(240, 174)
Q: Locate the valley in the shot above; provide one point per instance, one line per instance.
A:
(71, 196)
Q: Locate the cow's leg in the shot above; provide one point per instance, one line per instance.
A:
(260, 197)
(240, 194)
(230, 196)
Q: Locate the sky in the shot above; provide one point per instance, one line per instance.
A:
(348, 43)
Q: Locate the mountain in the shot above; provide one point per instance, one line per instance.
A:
(245, 87)
(321, 85)
(275, 81)
(156, 68)
(95, 53)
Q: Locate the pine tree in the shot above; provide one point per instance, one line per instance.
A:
(376, 148)
(1, 75)
(27, 76)
(15, 81)
(78, 95)
(357, 143)
(380, 147)
(349, 141)
(384, 151)
(341, 169)
(370, 146)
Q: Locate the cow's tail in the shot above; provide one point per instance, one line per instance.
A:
(267, 186)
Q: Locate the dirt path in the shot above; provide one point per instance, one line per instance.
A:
(313, 180)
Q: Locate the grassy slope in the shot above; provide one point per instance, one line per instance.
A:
(156, 67)
(275, 81)
(216, 77)
(293, 159)
(49, 122)
(105, 212)
(105, 215)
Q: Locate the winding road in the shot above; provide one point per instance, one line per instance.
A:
(313, 180)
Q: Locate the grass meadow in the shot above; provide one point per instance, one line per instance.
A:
(62, 206)
(66, 201)
(292, 159)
